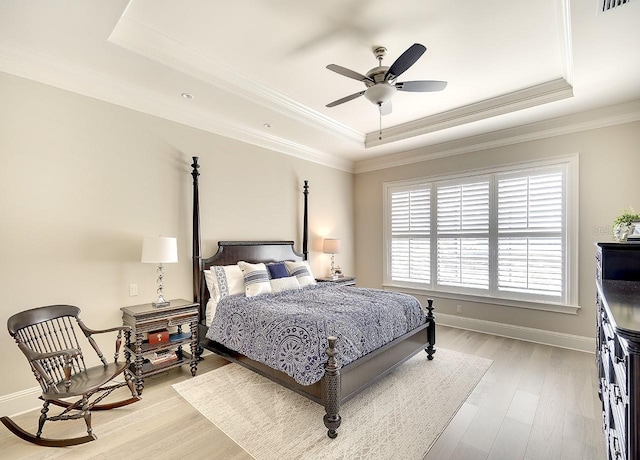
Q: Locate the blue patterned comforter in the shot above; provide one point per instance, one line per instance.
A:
(288, 331)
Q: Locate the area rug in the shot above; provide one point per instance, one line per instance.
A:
(399, 417)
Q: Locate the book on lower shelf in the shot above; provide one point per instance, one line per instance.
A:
(163, 357)
(149, 367)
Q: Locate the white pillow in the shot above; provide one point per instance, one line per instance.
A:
(210, 311)
(284, 284)
(223, 281)
(256, 279)
(302, 271)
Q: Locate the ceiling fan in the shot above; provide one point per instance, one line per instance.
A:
(381, 81)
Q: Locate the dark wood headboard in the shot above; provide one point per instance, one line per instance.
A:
(231, 252)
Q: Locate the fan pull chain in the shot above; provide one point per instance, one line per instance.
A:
(380, 117)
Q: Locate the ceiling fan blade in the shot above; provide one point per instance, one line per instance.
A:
(406, 60)
(348, 73)
(345, 99)
(385, 109)
(421, 86)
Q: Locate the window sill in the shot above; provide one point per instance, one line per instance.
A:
(552, 307)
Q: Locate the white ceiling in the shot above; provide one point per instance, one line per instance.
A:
(257, 62)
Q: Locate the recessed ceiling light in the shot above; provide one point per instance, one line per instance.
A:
(187, 95)
(267, 125)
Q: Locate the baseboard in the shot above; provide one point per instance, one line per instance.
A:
(529, 334)
(20, 401)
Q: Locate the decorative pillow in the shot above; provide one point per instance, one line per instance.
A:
(277, 270)
(223, 281)
(302, 271)
(290, 283)
(256, 279)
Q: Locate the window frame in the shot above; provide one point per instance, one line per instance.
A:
(567, 304)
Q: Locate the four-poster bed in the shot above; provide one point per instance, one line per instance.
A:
(338, 383)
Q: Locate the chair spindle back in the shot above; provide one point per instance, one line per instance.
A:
(53, 332)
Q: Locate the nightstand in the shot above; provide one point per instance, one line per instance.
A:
(343, 281)
(151, 358)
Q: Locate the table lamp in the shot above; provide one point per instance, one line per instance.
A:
(332, 246)
(159, 250)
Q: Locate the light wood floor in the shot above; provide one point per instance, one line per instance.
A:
(535, 402)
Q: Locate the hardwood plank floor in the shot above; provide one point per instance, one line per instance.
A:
(535, 402)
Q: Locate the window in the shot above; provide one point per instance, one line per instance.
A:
(500, 233)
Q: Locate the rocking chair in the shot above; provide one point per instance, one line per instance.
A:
(47, 337)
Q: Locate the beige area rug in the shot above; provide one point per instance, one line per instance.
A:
(399, 417)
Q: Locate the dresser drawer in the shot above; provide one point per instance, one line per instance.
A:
(165, 323)
(617, 449)
(620, 372)
(149, 321)
(605, 362)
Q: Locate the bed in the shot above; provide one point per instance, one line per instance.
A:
(337, 383)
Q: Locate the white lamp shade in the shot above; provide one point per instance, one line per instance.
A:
(331, 246)
(159, 250)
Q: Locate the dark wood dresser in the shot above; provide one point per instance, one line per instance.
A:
(618, 346)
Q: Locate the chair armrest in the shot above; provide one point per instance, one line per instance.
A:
(88, 331)
(69, 354)
(33, 356)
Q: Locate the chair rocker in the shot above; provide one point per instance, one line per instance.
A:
(47, 337)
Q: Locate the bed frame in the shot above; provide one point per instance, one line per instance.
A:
(338, 385)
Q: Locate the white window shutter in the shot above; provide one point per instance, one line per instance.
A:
(530, 244)
(410, 227)
(463, 229)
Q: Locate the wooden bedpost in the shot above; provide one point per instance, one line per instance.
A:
(305, 223)
(331, 390)
(431, 330)
(196, 232)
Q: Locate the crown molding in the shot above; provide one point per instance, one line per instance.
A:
(146, 41)
(598, 118)
(518, 100)
(43, 68)
(563, 18)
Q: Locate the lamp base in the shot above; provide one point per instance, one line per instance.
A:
(166, 303)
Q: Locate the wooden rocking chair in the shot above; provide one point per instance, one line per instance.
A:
(47, 337)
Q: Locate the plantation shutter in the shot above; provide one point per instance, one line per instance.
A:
(501, 233)
(410, 234)
(463, 234)
(530, 234)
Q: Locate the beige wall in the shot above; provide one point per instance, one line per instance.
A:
(84, 181)
(609, 164)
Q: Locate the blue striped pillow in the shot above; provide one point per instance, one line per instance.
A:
(302, 271)
(256, 279)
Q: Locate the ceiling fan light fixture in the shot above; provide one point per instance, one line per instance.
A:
(380, 93)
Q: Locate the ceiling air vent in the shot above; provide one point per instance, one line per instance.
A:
(606, 5)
